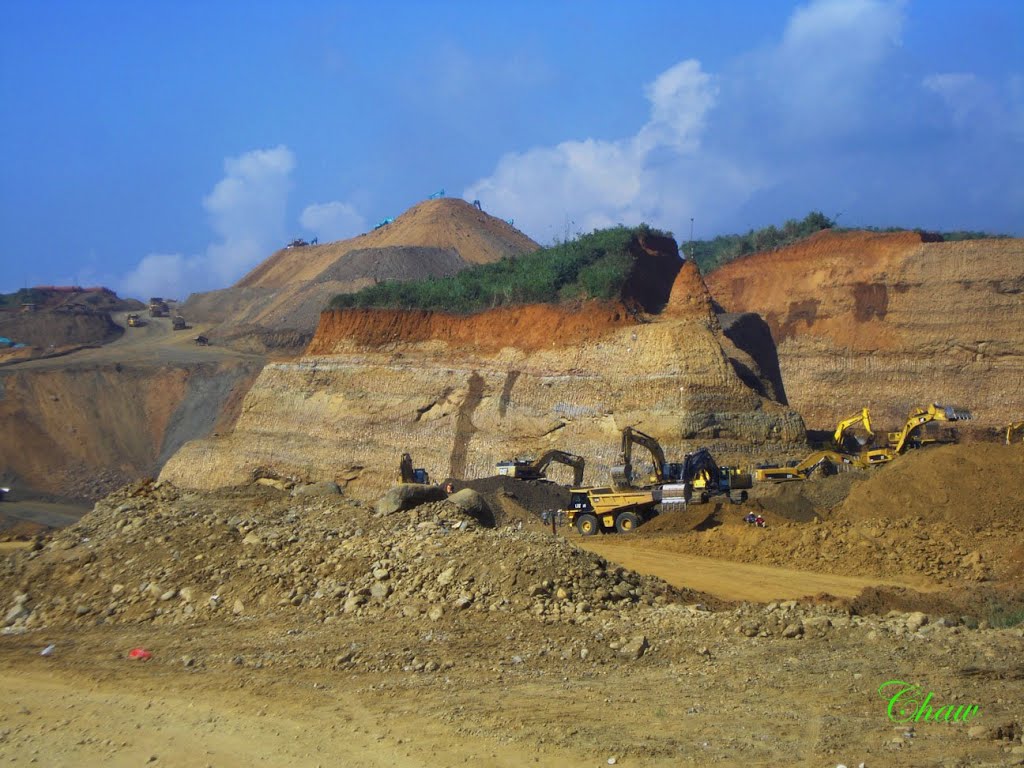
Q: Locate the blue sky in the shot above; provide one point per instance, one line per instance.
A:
(166, 147)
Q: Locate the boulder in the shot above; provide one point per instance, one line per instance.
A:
(324, 488)
(473, 504)
(407, 496)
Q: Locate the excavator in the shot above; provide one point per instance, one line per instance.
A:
(537, 470)
(409, 474)
(842, 440)
(624, 506)
(909, 437)
(698, 470)
(825, 462)
(1014, 432)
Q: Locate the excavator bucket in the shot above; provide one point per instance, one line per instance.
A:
(956, 414)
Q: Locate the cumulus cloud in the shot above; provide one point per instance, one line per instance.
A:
(247, 210)
(703, 149)
(332, 221)
(164, 274)
(593, 183)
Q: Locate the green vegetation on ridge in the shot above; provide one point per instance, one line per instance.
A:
(593, 266)
(711, 254)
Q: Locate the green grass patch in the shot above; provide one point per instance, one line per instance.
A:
(594, 266)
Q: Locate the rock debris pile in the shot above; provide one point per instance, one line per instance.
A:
(152, 553)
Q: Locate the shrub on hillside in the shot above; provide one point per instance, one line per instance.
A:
(593, 266)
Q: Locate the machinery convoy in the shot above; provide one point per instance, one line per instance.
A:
(829, 462)
(630, 500)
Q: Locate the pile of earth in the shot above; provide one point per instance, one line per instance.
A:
(529, 498)
(936, 516)
(57, 329)
(151, 553)
(965, 486)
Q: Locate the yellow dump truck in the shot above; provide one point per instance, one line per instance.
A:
(134, 321)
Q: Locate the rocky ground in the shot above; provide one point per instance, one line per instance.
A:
(303, 627)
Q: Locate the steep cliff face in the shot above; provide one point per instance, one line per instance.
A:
(83, 431)
(461, 393)
(889, 321)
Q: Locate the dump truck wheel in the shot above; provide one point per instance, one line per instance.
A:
(704, 497)
(586, 525)
(626, 522)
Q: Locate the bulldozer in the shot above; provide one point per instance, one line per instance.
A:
(524, 469)
(409, 474)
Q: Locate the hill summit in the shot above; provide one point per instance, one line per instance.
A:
(286, 292)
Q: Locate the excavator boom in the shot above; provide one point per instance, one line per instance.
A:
(622, 475)
(904, 439)
(536, 470)
(863, 418)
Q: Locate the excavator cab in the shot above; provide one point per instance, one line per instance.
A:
(409, 474)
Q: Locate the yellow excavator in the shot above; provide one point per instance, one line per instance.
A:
(624, 506)
(909, 437)
(1014, 432)
(823, 462)
(524, 469)
(409, 474)
(698, 470)
(844, 441)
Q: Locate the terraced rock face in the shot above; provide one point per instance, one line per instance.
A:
(461, 393)
(889, 321)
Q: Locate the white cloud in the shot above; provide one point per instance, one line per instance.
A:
(247, 210)
(171, 275)
(700, 152)
(332, 221)
(592, 183)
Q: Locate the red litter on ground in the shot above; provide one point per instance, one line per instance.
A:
(140, 654)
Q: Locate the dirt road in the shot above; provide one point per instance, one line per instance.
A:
(726, 579)
(154, 343)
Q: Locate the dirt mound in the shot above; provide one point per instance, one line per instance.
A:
(533, 496)
(978, 602)
(151, 553)
(395, 263)
(694, 517)
(446, 224)
(289, 290)
(55, 328)
(969, 486)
